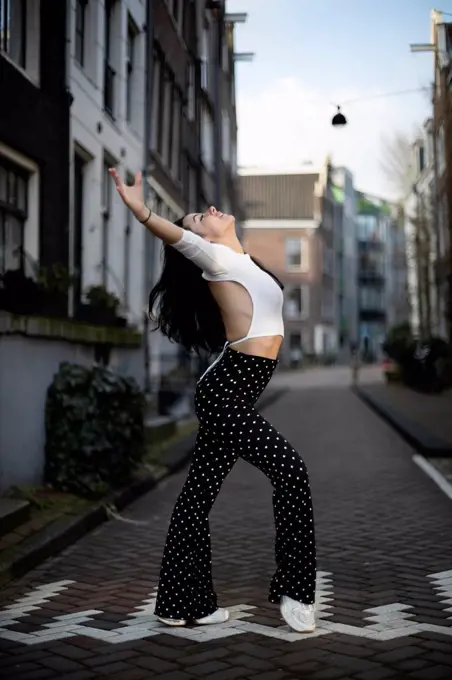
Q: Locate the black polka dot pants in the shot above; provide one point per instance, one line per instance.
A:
(231, 427)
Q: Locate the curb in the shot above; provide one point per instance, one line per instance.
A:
(67, 531)
(434, 474)
(419, 438)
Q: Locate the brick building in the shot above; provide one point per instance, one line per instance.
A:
(289, 224)
(442, 132)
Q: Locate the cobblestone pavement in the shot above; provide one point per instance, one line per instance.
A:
(385, 570)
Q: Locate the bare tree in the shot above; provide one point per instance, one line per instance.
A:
(396, 163)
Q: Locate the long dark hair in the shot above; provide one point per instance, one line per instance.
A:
(183, 307)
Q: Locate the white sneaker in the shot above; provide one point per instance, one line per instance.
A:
(218, 616)
(172, 622)
(300, 617)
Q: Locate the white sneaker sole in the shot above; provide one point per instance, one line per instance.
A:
(179, 623)
(295, 627)
(205, 621)
(175, 623)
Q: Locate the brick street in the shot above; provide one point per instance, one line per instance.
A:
(384, 535)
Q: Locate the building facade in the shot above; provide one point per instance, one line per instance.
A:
(382, 272)
(346, 260)
(289, 226)
(193, 130)
(442, 136)
(34, 136)
(397, 292)
(427, 314)
(86, 85)
(107, 51)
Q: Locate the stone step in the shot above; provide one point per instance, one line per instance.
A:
(13, 513)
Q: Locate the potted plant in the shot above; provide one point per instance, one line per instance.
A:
(19, 294)
(102, 307)
(54, 282)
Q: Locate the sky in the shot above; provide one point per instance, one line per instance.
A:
(312, 55)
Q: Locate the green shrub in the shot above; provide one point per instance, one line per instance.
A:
(94, 423)
(400, 344)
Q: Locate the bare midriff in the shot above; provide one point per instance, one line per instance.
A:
(237, 312)
(268, 346)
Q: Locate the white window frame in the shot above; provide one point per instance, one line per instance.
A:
(207, 139)
(127, 263)
(226, 136)
(131, 71)
(440, 150)
(304, 257)
(294, 314)
(81, 12)
(31, 225)
(106, 214)
(30, 66)
(205, 56)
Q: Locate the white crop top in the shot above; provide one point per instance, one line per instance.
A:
(220, 263)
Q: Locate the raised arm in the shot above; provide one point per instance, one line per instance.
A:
(133, 198)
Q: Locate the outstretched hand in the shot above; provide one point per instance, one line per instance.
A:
(131, 195)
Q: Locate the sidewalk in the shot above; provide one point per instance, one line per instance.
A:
(424, 420)
(384, 581)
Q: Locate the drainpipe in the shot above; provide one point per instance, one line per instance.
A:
(218, 120)
(149, 249)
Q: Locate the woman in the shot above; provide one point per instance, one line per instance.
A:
(213, 296)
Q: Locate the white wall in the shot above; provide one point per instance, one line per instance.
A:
(94, 133)
(23, 397)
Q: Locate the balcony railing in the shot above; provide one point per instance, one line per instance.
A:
(374, 274)
(109, 89)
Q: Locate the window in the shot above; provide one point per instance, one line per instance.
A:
(80, 26)
(192, 188)
(295, 254)
(127, 251)
(109, 71)
(132, 35)
(157, 101)
(421, 158)
(296, 303)
(295, 341)
(175, 138)
(13, 28)
(370, 228)
(106, 215)
(226, 137)
(440, 150)
(207, 150)
(79, 171)
(205, 57)
(13, 214)
(372, 299)
(166, 116)
(191, 110)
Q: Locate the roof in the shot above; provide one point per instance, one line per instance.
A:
(278, 196)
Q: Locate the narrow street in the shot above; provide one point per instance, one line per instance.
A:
(384, 558)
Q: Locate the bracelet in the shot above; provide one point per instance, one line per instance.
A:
(147, 218)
